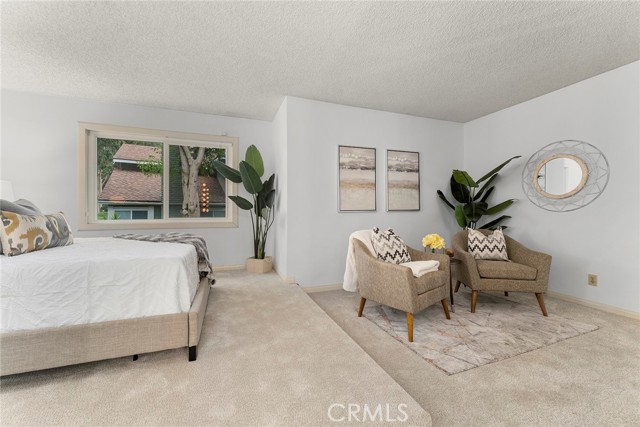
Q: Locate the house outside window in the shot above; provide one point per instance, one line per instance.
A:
(130, 213)
(143, 178)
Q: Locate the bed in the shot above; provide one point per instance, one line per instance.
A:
(99, 298)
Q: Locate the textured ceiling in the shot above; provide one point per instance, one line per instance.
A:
(445, 60)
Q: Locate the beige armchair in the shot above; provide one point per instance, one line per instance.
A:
(394, 285)
(528, 270)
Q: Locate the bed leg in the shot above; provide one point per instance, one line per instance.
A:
(193, 353)
(135, 357)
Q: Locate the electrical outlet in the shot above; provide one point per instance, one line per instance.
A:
(592, 279)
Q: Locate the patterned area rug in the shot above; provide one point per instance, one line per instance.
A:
(499, 329)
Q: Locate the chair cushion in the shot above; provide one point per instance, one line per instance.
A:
(430, 281)
(389, 247)
(492, 246)
(505, 270)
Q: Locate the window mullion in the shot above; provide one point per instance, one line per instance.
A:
(92, 180)
(165, 180)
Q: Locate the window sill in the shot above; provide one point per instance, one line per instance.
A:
(157, 224)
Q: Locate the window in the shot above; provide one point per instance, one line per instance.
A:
(130, 213)
(143, 178)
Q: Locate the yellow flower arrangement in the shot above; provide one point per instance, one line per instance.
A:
(434, 241)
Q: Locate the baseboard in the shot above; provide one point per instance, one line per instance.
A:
(289, 280)
(597, 305)
(229, 267)
(323, 288)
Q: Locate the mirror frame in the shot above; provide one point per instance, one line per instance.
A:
(592, 185)
(543, 162)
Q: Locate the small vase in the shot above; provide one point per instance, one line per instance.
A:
(434, 251)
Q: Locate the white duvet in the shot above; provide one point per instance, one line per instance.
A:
(96, 280)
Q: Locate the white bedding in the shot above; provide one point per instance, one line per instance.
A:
(96, 280)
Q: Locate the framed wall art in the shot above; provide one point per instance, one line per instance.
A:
(403, 180)
(356, 179)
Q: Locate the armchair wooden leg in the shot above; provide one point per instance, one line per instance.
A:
(445, 306)
(506, 294)
(474, 300)
(410, 326)
(362, 301)
(541, 303)
(458, 283)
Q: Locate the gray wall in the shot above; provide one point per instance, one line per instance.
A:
(604, 237)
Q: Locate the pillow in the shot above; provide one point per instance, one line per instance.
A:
(491, 247)
(26, 233)
(22, 207)
(389, 247)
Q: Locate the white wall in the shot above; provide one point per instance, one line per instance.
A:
(40, 145)
(279, 230)
(317, 233)
(603, 237)
(309, 238)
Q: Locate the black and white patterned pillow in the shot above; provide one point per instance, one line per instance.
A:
(491, 247)
(389, 247)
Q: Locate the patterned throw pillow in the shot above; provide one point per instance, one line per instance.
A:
(27, 233)
(389, 247)
(491, 247)
(21, 206)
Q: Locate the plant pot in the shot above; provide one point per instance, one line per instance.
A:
(259, 265)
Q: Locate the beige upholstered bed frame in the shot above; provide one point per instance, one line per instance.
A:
(33, 350)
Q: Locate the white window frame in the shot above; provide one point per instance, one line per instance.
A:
(88, 133)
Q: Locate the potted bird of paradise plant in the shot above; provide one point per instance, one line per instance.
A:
(250, 173)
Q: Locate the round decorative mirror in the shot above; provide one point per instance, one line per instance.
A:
(560, 176)
(565, 176)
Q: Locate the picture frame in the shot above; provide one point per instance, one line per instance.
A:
(403, 180)
(357, 183)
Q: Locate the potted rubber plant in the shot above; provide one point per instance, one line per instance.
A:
(250, 173)
(473, 199)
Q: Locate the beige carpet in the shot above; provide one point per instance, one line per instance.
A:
(501, 328)
(268, 356)
(592, 380)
